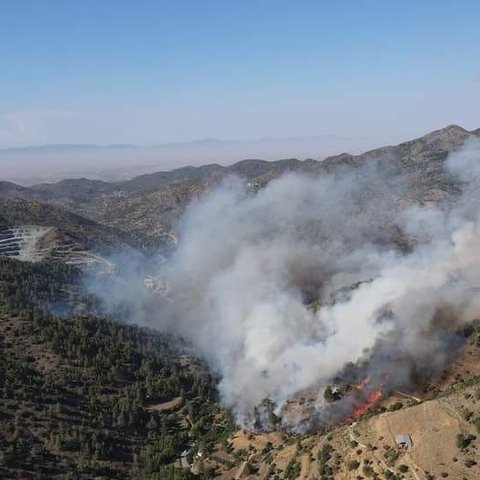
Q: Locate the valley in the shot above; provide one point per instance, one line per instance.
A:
(86, 393)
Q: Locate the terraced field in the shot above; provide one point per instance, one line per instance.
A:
(24, 242)
(34, 243)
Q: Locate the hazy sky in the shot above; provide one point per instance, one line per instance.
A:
(150, 72)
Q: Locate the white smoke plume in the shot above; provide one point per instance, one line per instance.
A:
(280, 289)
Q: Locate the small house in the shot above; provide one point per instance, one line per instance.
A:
(404, 440)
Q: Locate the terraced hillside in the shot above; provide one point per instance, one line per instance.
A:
(23, 242)
(32, 231)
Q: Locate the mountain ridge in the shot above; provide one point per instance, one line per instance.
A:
(448, 133)
(149, 205)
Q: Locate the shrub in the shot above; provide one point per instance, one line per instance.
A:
(293, 470)
(352, 465)
(463, 441)
(396, 406)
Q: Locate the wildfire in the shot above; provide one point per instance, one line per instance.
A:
(366, 403)
(360, 387)
(365, 397)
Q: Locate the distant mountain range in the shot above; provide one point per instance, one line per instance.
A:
(141, 213)
(65, 147)
(51, 163)
(61, 147)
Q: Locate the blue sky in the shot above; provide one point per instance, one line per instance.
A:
(149, 72)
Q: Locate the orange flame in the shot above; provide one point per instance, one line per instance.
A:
(365, 396)
(361, 386)
(369, 401)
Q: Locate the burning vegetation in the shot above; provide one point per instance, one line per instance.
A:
(362, 387)
(365, 397)
(323, 293)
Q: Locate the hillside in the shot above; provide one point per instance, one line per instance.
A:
(34, 231)
(441, 424)
(148, 206)
(86, 395)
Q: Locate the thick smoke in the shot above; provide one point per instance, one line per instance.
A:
(280, 289)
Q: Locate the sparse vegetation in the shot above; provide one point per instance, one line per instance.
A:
(353, 465)
(293, 470)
